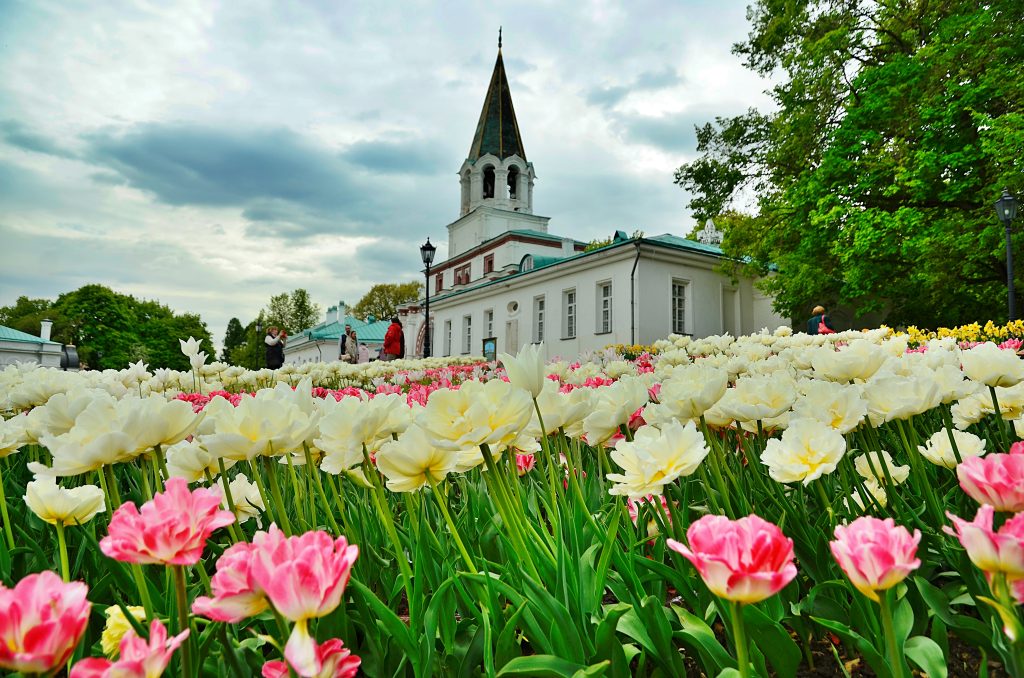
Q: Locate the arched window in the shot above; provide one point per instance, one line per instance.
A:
(513, 182)
(489, 182)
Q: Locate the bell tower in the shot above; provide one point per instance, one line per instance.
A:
(496, 172)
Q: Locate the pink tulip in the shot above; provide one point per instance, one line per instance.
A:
(236, 595)
(634, 506)
(745, 560)
(139, 658)
(992, 551)
(525, 463)
(333, 660)
(304, 577)
(875, 554)
(172, 527)
(41, 621)
(996, 480)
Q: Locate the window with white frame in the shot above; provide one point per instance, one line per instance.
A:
(569, 314)
(467, 333)
(679, 306)
(447, 337)
(604, 307)
(489, 322)
(538, 319)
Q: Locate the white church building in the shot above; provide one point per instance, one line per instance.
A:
(508, 281)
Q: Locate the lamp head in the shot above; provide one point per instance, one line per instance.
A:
(1006, 207)
(427, 251)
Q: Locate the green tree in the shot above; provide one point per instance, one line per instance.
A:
(383, 300)
(111, 329)
(251, 353)
(897, 126)
(234, 337)
(292, 312)
(25, 314)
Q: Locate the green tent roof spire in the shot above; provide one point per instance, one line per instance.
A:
(497, 132)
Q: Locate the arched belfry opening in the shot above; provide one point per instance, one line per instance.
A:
(488, 182)
(513, 183)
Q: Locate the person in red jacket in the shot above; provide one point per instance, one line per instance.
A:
(392, 348)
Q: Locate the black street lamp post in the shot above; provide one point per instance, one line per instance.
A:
(1006, 210)
(427, 251)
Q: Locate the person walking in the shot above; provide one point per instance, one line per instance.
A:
(275, 341)
(820, 322)
(392, 348)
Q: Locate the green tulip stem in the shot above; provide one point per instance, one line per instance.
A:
(315, 472)
(825, 503)
(739, 638)
(235, 531)
(947, 419)
(442, 503)
(181, 595)
(161, 463)
(716, 470)
(384, 511)
(548, 462)
(147, 489)
(891, 648)
(258, 477)
(8, 530)
(62, 545)
(115, 494)
(937, 515)
(501, 498)
(275, 492)
(1000, 422)
(574, 481)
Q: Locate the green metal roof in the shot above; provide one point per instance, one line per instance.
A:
(10, 334)
(497, 132)
(541, 263)
(686, 244)
(368, 332)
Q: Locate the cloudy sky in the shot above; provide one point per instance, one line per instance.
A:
(209, 155)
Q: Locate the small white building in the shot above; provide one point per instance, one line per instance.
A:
(507, 281)
(321, 342)
(16, 346)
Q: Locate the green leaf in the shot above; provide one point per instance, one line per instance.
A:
(927, 655)
(698, 636)
(606, 641)
(541, 665)
(903, 620)
(970, 629)
(508, 648)
(773, 640)
(863, 646)
(385, 616)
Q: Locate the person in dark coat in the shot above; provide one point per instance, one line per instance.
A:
(820, 315)
(275, 341)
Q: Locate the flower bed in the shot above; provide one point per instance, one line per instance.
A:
(724, 503)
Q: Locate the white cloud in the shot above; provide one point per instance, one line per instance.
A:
(212, 155)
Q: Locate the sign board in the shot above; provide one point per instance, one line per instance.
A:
(490, 345)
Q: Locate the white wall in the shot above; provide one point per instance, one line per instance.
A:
(46, 355)
(714, 304)
(485, 223)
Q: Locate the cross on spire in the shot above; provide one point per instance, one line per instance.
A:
(499, 37)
